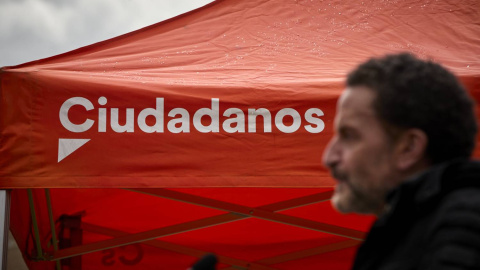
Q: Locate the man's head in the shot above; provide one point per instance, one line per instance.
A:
(398, 116)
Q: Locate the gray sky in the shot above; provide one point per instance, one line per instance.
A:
(35, 29)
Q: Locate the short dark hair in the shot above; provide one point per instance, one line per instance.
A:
(412, 93)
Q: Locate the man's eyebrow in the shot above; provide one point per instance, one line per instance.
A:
(351, 123)
(346, 128)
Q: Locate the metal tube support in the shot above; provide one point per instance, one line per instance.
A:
(36, 231)
(52, 225)
(4, 225)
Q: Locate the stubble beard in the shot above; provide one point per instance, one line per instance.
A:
(350, 197)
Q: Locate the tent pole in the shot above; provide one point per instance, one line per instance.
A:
(4, 225)
(263, 213)
(52, 225)
(144, 236)
(35, 226)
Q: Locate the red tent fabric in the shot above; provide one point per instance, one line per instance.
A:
(225, 111)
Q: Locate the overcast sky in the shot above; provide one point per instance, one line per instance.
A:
(35, 29)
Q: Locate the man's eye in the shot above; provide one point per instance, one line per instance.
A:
(348, 135)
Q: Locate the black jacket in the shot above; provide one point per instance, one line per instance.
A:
(433, 223)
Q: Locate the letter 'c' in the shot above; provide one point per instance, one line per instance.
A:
(64, 114)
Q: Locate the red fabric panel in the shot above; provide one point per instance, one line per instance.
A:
(248, 55)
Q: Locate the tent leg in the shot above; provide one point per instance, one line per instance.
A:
(4, 225)
(52, 225)
(36, 231)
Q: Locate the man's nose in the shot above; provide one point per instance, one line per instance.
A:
(331, 155)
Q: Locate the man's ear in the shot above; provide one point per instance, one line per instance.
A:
(411, 149)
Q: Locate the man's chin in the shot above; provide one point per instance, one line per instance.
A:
(338, 202)
(344, 200)
(347, 205)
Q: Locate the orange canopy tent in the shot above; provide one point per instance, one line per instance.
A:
(204, 133)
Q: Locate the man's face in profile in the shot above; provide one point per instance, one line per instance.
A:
(360, 156)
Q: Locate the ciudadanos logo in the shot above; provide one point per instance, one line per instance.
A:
(179, 121)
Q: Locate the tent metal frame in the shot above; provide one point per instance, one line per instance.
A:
(235, 212)
(4, 225)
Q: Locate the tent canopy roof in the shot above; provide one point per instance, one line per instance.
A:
(240, 43)
(287, 57)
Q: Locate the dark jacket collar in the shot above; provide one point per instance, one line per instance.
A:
(435, 180)
(430, 185)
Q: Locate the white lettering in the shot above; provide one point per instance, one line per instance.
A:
(64, 114)
(212, 113)
(297, 121)
(128, 127)
(239, 121)
(102, 115)
(157, 113)
(252, 120)
(184, 121)
(180, 122)
(314, 120)
(102, 120)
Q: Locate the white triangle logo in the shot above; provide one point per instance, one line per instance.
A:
(68, 146)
